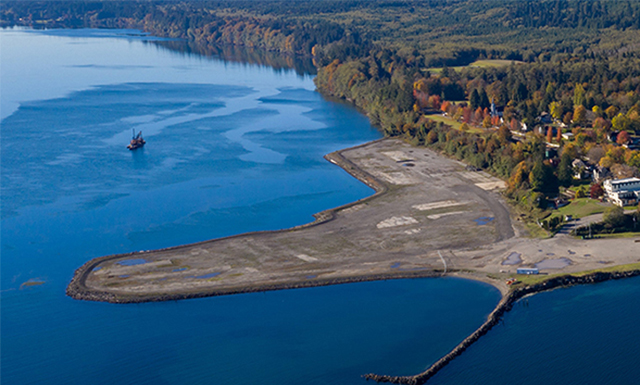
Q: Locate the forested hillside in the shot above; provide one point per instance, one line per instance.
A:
(569, 70)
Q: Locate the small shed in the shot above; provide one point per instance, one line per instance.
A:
(528, 270)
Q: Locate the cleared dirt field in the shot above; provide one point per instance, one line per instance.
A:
(428, 212)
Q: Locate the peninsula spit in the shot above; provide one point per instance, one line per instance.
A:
(430, 216)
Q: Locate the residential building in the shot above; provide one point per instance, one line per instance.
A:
(622, 192)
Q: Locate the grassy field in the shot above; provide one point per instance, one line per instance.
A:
(480, 64)
(581, 207)
(453, 123)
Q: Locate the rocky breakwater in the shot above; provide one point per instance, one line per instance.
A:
(495, 317)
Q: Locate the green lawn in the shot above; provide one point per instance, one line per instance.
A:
(493, 63)
(453, 123)
(582, 207)
(480, 64)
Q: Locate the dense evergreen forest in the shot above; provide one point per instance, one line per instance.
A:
(518, 87)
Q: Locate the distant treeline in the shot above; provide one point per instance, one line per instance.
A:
(434, 33)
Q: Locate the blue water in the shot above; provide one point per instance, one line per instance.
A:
(582, 335)
(230, 148)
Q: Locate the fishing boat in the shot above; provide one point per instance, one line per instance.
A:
(136, 141)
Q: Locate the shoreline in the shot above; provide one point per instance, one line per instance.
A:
(77, 289)
(458, 264)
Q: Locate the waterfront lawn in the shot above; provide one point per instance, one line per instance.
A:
(581, 207)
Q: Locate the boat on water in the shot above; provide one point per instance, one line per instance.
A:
(136, 141)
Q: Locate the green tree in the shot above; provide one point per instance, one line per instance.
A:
(578, 95)
(484, 99)
(620, 122)
(542, 179)
(474, 99)
(614, 217)
(565, 170)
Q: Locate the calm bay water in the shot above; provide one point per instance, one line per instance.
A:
(231, 148)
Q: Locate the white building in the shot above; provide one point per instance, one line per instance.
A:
(622, 192)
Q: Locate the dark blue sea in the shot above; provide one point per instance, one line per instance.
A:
(231, 147)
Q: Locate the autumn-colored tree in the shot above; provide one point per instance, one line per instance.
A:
(464, 127)
(486, 122)
(555, 108)
(621, 171)
(458, 112)
(579, 114)
(419, 96)
(514, 125)
(558, 135)
(491, 145)
(420, 85)
(478, 116)
(504, 134)
(572, 149)
(623, 138)
(601, 123)
(432, 137)
(620, 122)
(466, 114)
(612, 111)
(597, 111)
(616, 154)
(634, 159)
(567, 118)
(519, 177)
(549, 134)
(596, 191)
(444, 107)
(434, 102)
(606, 161)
